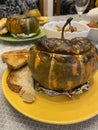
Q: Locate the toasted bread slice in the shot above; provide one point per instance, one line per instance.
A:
(3, 28)
(15, 59)
(21, 81)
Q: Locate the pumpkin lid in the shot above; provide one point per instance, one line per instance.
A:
(77, 45)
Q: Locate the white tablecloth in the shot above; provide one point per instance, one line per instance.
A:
(10, 119)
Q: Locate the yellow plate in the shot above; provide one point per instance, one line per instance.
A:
(56, 110)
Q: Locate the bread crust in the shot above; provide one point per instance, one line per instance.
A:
(3, 28)
(12, 80)
(15, 59)
(21, 81)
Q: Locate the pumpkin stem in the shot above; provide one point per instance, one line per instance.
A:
(67, 22)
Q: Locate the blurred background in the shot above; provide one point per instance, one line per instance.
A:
(46, 7)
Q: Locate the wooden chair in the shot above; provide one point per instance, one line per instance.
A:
(41, 6)
(46, 7)
(57, 6)
(92, 4)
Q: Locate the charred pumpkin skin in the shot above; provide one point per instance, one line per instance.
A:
(62, 64)
(18, 24)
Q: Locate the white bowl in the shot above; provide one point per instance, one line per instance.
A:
(93, 34)
(51, 32)
(93, 14)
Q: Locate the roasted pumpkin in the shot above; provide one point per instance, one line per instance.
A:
(61, 64)
(22, 24)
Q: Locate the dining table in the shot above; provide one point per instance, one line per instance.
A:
(12, 119)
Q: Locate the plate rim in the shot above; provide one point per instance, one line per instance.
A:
(6, 71)
(40, 35)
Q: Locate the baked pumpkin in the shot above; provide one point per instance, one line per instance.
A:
(18, 24)
(61, 64)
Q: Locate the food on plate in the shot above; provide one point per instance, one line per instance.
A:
(3, 29)
(37, 14)
(61, 64)
(15, 59)
(93, 24)
(69, 29)
(43, 19)
(21, 81)
(53, 29)
(22, 26)
(57, 66)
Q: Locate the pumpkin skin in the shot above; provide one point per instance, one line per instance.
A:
(19, 24)
(60, 64)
